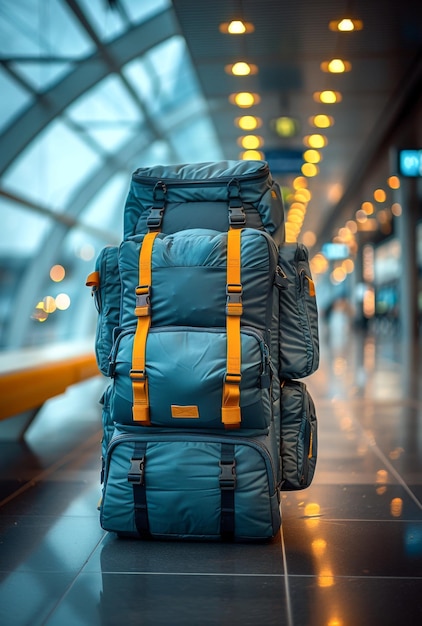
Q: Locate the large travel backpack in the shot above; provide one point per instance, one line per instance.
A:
(206, 321)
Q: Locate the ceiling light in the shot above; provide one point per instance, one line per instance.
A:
(248, 122)
(321, 121)
(252, 155)
(309, 170)
(380, 195)
(309, 238)
(394, 182)
(285, 126)
(346, 24)
(241, 69)
(367, 207)
(312, 156)
(244, 99)
(236, 27)
(336, 66)
(300, 182)
(315, 141)
(251, 142)
(327, 96)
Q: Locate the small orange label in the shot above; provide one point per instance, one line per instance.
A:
(184, 411)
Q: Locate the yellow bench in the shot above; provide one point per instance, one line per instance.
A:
(31, 376)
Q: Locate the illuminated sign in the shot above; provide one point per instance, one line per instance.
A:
(410, 162)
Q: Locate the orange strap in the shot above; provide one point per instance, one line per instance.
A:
(230, 412)
(138, 373)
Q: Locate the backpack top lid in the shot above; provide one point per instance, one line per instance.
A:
(249, 182)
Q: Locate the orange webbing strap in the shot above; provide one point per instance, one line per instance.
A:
(143, 312)
(230, 411)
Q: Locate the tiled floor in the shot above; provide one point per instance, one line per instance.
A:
(349, 552)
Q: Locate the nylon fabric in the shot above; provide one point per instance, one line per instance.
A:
(205, 183)
(106, 290)
(186, 367)
(183, 488)
(299, 340)
(298, 436)
(189, 271)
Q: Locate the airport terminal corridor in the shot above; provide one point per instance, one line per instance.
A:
(349, 551)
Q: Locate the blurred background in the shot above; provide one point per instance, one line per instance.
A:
(329, 93)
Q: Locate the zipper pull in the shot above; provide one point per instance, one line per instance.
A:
(281, 281)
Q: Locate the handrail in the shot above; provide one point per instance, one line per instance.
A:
(29, 377)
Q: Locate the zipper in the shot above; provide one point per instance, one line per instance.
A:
(183, 437)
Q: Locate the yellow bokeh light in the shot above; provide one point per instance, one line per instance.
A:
(312, 509)
(298, 205)
(315, 141)
(361, 216)
(300, 182)
(49, 304)
(327, 97)
(325, 578)
(302, 195)
(241, 68)
(346, 24)
(57, 273)
(312, 156)
(396, 209)
(248, 122)
(336, 66)
(396, 507)
(285, 126)
(318, 547)
(338, 275)
(251, 142)
(321, 121)
(309, 170)
(368, 207)
(252, 155)
(244, 99)
(236, 27)
(319, 264)
(380, 195)
(62, 301)
(393, 182)
(39, 312)
(348, 266)
(309, 238)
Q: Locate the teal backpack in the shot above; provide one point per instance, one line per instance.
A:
(206, 321)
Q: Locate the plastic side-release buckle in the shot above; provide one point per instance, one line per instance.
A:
(155, 216)
(237, 215)
(136, 472)
(143, 300)
(227, 476)
(234, 304)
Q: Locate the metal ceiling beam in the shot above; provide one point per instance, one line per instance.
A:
(86, 74)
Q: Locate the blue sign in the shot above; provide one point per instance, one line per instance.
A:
(410, 162)
(284, 161)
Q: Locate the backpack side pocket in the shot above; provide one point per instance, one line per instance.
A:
(299, 444)
(106, 290)
(298, 339)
